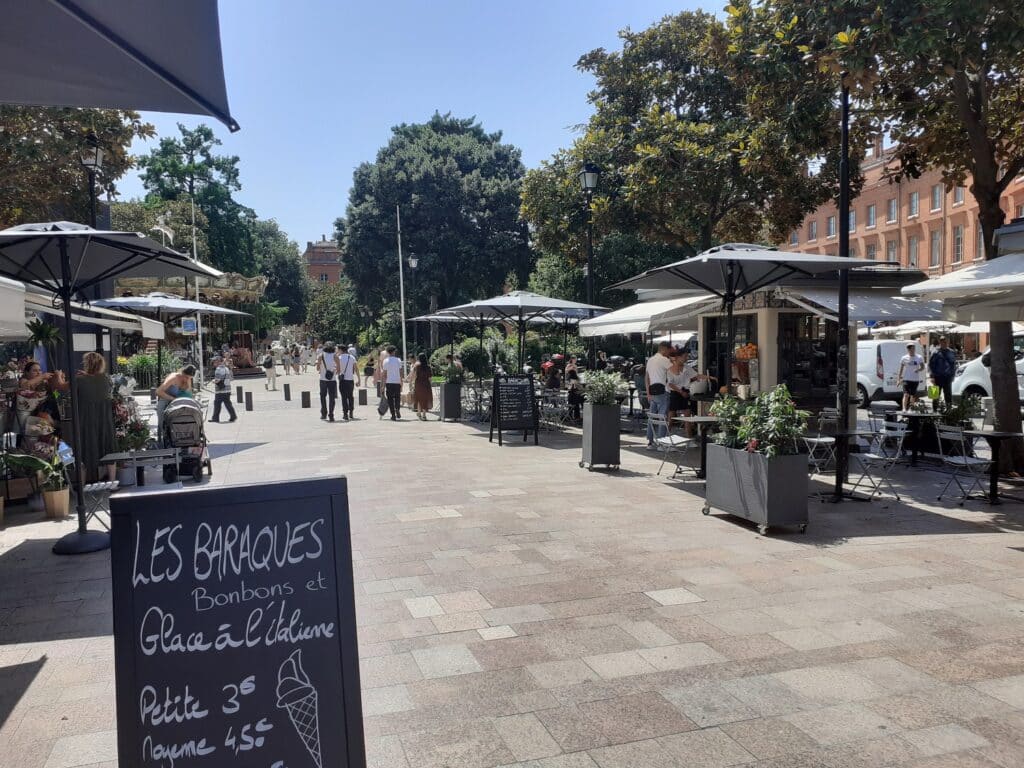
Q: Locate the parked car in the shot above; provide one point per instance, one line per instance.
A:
(878, 365)
(975, 378)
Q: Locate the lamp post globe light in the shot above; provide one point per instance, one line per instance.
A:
(91, 158)
(413, 263)
(589, 176)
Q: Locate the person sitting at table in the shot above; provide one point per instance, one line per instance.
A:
(552, 377)
(680, 375)
(572, 384)
(177, 384)
(95, 411)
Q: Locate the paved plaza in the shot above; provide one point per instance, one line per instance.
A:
(515, 610)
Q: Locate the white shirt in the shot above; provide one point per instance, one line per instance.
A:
(393, 370)
(657, 369)
(347, 363)
(912, 366)
(683, 378)
(326, 359)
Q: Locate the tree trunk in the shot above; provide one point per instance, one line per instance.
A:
(433, 326)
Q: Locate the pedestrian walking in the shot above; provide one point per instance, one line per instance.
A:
(942, 367)
(222, 379)
(348, 380)
(422, 389)
(656, 387)
(378, 373)
(295, 359)
(909, 376)
(392, 370)
(270, 371)
(328, 365)
(303, 358)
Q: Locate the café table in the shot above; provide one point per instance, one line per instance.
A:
(916, 418)
(843, 460)
(995, 439)
(704, 424)
(139, 460)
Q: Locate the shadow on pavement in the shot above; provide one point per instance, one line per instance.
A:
(227, 449)
(14, 681)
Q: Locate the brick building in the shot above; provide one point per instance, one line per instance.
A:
(323, 261)
(915, 222)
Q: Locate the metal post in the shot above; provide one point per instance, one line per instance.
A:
(401, 289)
(843, 351)
(591, 346)
(82, 540)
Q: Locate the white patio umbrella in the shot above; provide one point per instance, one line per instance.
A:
(124, 54)
(64, 259)
(732, 271)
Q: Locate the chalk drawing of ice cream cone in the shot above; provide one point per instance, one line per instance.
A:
(298, 696)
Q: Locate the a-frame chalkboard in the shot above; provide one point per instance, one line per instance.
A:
(514, 407)
(234, 627)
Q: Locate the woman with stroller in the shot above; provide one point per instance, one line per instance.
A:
(177, 384)
(422, 390)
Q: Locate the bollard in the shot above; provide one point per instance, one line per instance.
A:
(248, 401)
(239, 397)
(362, 396)
(287, 392)
(305, 400)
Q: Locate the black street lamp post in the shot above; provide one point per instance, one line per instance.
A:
(413, 263)
(91, 158)
(589, 177)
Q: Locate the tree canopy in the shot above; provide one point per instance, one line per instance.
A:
(176, 215)
(458, 190)
(40, 150)
(279, 260)
(333, 312)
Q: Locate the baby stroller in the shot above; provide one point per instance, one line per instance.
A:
(183, 431)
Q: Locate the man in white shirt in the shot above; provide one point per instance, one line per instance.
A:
(328, 365)
(656, 384)
(392, 366)
(911, 366)
(348, 382)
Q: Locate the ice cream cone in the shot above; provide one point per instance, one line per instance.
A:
(305, 718)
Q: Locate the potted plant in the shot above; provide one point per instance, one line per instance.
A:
(755, 470)
(45, 335)
(601, 416)
(451, 392)
(53, 477)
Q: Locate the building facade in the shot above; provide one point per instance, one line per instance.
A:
(323, 261)
(917, 222)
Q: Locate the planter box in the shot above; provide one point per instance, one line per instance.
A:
(768, 492)
(57, 503)
(451, 401)
(600, 435)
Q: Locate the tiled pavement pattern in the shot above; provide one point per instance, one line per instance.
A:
(516, 610)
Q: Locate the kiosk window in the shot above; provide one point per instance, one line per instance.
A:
(807, 349)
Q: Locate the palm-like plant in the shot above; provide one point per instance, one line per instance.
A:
(45, 335)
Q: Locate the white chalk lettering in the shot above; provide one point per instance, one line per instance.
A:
(157, 709)
(231, 550)
(159, 753)
(204, 600)
(160, 566)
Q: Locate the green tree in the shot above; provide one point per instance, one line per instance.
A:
(333, 312)
(458, 188)
(176, 215)
(187, 167)
(687, 157)
(279, 260)
(944, 79)
(40, 151)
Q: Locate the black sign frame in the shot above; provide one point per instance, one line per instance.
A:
(230, 502)
(496, 401)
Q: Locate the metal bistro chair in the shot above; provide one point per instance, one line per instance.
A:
(963, 464)
(669, 444)
(876, 465)
(821, 448)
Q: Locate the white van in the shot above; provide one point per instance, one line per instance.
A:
(974, 377)
(878, 365)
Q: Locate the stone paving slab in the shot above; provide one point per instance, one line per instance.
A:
(515, 610)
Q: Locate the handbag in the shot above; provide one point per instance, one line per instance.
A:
(382, 406)
(934, 391)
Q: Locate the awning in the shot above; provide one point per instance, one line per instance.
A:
(989, 290)
(105, 318)
(649, 317)
(865, 305)
(12, 311)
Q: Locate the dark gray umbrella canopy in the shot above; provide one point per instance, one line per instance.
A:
(154, 55)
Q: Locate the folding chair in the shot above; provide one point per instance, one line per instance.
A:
(962, 463)
(97, 499)
(876, 465)
(877, 413)
(669, 444)
(821, 448)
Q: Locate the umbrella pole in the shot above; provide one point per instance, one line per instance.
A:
(82, 540)
(480, 372)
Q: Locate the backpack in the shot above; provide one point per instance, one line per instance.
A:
(268, 361)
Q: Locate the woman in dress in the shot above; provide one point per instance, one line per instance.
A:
(95, 410)
(177, 384)
(572, 384)
(422, 390)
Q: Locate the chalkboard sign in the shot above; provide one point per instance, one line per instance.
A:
(513, 406)
(234, 627)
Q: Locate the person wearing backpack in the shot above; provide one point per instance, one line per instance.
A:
(329, 366)
(270, 370)
(942, 367)
(222, 390)
(347, 381)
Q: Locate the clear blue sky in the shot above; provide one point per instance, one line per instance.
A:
(317, 85)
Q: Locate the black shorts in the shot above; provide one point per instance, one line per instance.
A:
(678, 403)
(910, 387)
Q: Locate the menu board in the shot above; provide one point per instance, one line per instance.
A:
(234, 627)
(513, 406)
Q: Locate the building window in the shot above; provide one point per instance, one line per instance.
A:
(853, 220)
(812, 230)
(935, 258)
(830, 226)
(914, 204)
(870, 223)
(869, 251)
(323, 277)
(936, 197)
(979, 243)
(890, 211)
(958, 195)
(958, 243)
(794, 239)
(891, 250)
(912, 250)
(1020, 212)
